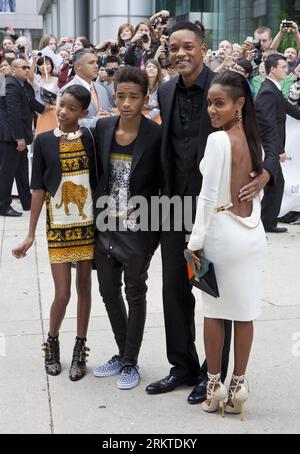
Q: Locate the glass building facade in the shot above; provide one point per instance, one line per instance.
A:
(233, 19)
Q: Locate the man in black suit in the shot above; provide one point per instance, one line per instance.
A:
(272, 109)
(186, 126)
(16, 115)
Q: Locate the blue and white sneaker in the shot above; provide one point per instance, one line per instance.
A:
(129, 377)
(112, 367)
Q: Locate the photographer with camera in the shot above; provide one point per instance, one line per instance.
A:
(107, 49)
(107, 75)
(286, 27)
(222, 58)
(162, 54)
(159, 23)
(46, 90)
(142, 46)
(65, 51)
(254, 48)
(23, 46)
(125, 35)
(290, 53)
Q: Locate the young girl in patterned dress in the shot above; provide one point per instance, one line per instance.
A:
(64, 174)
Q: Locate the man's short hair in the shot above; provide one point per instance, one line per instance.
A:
(198, 29)
(132, 74)
(79, 55)
(272, 61)
(262, 30)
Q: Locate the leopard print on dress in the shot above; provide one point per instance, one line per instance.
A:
(72, 193)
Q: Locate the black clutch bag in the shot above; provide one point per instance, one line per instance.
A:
(203, 278)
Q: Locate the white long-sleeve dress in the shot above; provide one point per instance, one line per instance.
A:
(235, 245)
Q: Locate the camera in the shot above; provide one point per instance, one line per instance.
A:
(114, 49)
(145, 38)
(21, 49)
(110, 71)
(287, 24)
(256, 43)
(258, 51)
(104, 48)
(68, 46)
(39, 54)
(215, 53)
(164, 60)
(160, 21)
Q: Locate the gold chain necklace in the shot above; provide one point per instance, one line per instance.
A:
(68, 135)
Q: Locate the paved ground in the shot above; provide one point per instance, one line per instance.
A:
(32, 402)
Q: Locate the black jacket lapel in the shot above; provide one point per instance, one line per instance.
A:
(52, 159)
(169, 102)
(140, 144)
(105, 144)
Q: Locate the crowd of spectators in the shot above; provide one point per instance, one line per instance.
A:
(55, 63)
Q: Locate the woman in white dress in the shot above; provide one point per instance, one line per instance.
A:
(229, 232)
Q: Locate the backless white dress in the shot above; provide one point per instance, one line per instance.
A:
(235, 245)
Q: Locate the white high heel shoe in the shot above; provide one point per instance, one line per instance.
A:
(216, 395)
(238, 395)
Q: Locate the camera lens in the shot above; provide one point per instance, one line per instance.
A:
(145, 39)
(110, 72)
(114, 50)
(258, 57)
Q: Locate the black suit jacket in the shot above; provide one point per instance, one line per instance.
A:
(145, 178)
(16, 111)
(46, 168)
(166, 96)
(271, 111)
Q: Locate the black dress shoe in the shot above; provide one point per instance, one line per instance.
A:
(169, 383)
(10, 213)
(198, 395)
(276, 230)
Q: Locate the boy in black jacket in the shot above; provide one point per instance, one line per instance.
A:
(129, 148)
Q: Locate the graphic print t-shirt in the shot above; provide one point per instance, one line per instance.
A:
(119, 186)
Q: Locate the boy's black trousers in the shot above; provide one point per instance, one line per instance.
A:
(117, 253)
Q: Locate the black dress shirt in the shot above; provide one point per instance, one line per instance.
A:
(184, 135)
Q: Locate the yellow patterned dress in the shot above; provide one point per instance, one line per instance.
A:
(70, 216)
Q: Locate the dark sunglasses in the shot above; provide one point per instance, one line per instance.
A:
(24, 67)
